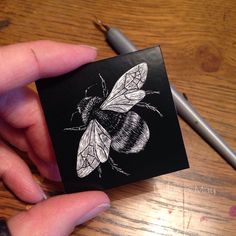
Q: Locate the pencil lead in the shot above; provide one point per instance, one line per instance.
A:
(100, 25)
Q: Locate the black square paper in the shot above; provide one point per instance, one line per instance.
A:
(113, 122)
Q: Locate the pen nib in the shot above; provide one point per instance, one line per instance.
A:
(104, 28)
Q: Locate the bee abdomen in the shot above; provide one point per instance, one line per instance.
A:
(132, 136)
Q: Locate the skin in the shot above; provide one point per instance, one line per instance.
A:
(22, 124)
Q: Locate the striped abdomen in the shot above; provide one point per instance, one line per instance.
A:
(129, 132)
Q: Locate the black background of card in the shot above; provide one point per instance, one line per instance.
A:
(164, 151)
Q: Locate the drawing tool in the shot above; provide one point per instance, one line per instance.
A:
(121, 44)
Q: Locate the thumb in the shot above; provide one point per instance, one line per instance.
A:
(59, 215)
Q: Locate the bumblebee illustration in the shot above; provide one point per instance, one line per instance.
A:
(109, 122)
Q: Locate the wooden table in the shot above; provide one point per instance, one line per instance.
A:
(198, 39)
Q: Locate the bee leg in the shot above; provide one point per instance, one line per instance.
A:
(151, 92)
(99, 172)
(86, 91)
(150, 107)
(114, 166)
(104, 87)
(72, 115)
(80, 128)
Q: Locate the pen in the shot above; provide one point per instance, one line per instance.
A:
(121, 44)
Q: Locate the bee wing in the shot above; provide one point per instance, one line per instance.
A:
(126, 92)
(93, 148)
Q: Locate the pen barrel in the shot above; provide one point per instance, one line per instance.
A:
(191, 116)
(119, 42)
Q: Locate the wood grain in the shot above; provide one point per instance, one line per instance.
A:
(198, 40)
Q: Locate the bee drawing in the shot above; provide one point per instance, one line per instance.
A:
(109, 122)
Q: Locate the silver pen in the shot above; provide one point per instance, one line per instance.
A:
(121, 44)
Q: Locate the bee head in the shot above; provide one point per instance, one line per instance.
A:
(83, 104)
(86, 107)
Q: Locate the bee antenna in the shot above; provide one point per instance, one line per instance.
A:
(104, 86)
(86, 91)
(72, 115)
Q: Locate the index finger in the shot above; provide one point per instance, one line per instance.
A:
(23, 63)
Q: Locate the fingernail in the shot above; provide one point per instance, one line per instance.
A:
(43, 194)
(45, 197)
(88, 46)
(94, 212)
(38, 183)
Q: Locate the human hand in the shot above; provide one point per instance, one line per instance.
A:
(22, 125)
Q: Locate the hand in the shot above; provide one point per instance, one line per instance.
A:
(22, 125)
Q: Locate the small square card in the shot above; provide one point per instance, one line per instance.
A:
(113, 122)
